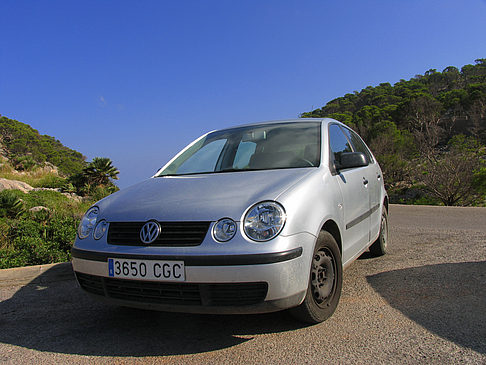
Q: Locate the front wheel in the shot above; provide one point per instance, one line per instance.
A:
(325, 282)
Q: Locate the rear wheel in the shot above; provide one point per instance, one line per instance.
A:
(325, 282)
(379, 247)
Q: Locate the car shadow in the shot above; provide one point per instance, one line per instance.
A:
(58, 317)
(366, 256)
(446, 299)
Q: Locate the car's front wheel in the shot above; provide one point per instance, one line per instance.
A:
(325, 282)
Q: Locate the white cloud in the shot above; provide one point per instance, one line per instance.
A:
(102, 100)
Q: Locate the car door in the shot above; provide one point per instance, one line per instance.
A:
(375, 181)
(354, 183)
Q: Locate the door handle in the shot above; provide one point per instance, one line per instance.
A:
(365, 181)
(378, 176)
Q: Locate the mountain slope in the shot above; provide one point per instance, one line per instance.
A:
(24, 146)
(452, 101)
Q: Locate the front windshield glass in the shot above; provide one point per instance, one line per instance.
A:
(262, 147)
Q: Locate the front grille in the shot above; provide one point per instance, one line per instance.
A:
(172, 233)
(153, 292)
(90, 283)
(232, 294)
(237, 293)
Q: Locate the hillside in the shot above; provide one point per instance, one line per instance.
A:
(428, 133)
(45, 188)
(25, 147)
(453, 100)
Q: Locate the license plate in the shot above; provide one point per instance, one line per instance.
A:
(146, 269)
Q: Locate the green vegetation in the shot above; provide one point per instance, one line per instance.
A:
(10, 205)
(39, 236)
(428, 133)
(39, 227)
(27, 148)
(44, 234)
(99, 173)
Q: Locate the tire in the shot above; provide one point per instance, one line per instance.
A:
(325, 282)
(380, 246)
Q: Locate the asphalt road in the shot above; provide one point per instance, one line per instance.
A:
(424, 302)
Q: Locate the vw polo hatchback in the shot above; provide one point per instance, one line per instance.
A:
(251, 219)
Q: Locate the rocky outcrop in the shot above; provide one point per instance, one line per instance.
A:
(68, 195)
(24, 187)
(14, 184)
(39, 208)
(49, 168)
(74, 197)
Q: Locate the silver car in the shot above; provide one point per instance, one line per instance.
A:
(251, 219)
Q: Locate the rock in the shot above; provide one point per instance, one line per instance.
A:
(50, 189)
(14, 184)
(74, 197)
(50, 168)
(39, 208)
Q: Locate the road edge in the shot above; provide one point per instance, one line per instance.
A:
(38, 274)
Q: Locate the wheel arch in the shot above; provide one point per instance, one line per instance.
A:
(332, 227)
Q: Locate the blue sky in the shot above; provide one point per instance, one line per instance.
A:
(138, 80)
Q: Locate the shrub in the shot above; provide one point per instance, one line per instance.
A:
(24, 163)
(100, 192)
(50, 180)
(4, 233)
(11, 258)
(25, 228)
(38, 238)
(36, 251)
(10, 205)
(47, 198)
(61, 231)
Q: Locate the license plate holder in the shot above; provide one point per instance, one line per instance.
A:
(152, 270)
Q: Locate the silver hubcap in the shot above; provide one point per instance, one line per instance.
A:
(322, 276)
(384, 231)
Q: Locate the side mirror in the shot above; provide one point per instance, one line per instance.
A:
(349, 160)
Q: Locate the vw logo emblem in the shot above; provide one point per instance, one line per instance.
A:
(149, 232)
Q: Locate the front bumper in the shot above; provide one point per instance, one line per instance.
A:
(273, 280)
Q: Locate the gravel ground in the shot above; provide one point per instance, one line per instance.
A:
(424, 302)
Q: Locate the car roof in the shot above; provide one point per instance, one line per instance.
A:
(284, 121)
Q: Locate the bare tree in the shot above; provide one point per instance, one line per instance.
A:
(424, 114)
(449, 175)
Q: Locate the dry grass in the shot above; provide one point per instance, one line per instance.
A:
(36, 178)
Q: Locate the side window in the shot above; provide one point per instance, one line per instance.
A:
(203, 160)
(358, 144)
(243, 154)
(338, 142)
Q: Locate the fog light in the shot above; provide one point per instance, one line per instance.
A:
(100, 229)
(224, 230)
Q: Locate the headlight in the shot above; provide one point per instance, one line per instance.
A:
(88, 222)
(224, 230)
(100, 229)
(264, 221)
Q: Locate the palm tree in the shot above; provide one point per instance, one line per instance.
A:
(100, 171)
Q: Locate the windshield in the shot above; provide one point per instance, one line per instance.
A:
(262, 147)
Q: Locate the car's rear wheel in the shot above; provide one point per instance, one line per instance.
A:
(325, 282)
(380, 246)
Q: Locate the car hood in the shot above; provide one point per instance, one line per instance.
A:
(206, 197)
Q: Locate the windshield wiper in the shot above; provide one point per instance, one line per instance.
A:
(235, 170)
(209, 172)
